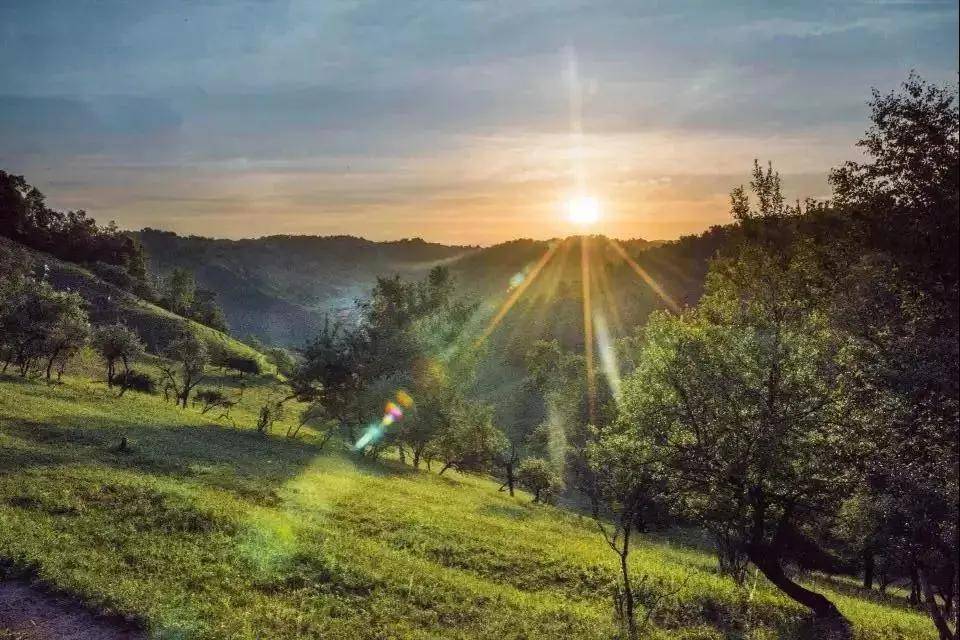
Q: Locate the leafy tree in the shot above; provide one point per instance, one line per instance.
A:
(136, 380)
(181, 289)
(470, 441)
(628, 490)
(189, 357)
(330, 373)
(538, 476)
(402, 327)
(67, 335)
(270, 413)
(738, 400)
(905, 196)
(117, 343)
(40, 323)
(205, 310)
(900, 308)
(210, 399)
(282, 359)
(25, 218)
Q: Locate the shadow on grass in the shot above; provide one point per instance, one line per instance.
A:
(856, 591)
(240, 460)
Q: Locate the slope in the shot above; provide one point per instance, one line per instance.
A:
(199, 530)
(108, 303)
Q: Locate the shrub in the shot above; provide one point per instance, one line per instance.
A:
(136, 380)
(539, 476)
(209, 399)
(114, 274)
(242, 364)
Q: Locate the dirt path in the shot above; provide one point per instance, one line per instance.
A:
(27, 613)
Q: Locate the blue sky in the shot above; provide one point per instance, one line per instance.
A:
(454, 121)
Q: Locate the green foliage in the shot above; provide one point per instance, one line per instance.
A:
(25, 218)
(117, 343)
(136, 381)
(469, 441)
(180, 291)
(40, 328)
(209, 399)
(189, 357)
(538, 476)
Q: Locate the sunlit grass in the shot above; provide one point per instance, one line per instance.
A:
(206, 530)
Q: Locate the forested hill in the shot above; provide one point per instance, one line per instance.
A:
(279, 288)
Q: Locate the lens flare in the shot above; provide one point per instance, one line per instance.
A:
(646, 277)
(515, 294)
(608, 355)
(392, 413)
(404, 398)
(588, 327)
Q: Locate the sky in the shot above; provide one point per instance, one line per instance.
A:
(462, 122)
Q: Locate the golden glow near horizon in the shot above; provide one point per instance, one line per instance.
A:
(583, 210)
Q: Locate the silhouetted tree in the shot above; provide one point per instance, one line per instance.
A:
(189, 357)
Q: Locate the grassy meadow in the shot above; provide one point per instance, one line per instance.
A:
(204, 528)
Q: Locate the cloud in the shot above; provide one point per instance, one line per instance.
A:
(191, 112)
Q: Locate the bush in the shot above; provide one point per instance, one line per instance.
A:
(242, 364)
(136, 380)
(209, 399)
(114, 274)
(538, 475)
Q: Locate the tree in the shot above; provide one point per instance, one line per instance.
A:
(282, 359)
(470, 441)
(402, 328)
(210, 399)
(25, 218)
(40, 323)
(189, 357)
(900, 310)
(538, 476)
(738, 399)
(628, 487)
(181, 289)
(117, 343)
(204, 309)
(67, 335)
(271, 412)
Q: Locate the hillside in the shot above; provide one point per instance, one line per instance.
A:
(202, 530)
(107, 303)
(279, 288)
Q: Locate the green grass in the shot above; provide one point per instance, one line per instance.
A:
(204, 530)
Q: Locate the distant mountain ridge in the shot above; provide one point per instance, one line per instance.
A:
(280, 288)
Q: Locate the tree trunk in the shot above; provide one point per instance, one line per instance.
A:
(868, 566)
(628, 605)
(939, 621)
(766, 560)
(445, 467)
(50, 368)
(914, 586)
(416, 457)
(510, 479)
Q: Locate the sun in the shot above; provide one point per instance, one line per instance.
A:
(583, 210)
